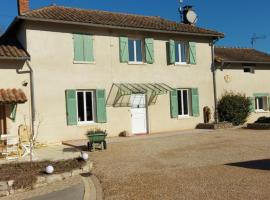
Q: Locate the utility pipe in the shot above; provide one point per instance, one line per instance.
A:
(214, 79)
(32, 94)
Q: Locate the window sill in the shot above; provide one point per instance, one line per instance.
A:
(183, 117)
(86, 123)
(182, 64)
(84, 62)
(261, 111)
(136, 63)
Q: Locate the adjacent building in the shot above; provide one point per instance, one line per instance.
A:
(246, 71)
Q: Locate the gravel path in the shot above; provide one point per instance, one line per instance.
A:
(194, 165)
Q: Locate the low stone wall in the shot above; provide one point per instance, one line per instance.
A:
(259, 126)
(6, 187)
(222, 125)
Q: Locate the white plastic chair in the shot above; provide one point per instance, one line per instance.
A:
(24, 139)
(12, 144)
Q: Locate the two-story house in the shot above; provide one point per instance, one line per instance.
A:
(246, 71)
(83, 69)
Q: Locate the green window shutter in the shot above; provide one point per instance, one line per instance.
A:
(71, 104)
(149, 50)
(78, 47)
(195, 102)
(174, 104)
(192, 53)
(101, 106)
(252, 104)
(172, 51)
(269, 103)
(123, 46)
(13, 112)
(88, 48)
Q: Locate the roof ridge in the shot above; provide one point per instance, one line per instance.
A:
(96, 10)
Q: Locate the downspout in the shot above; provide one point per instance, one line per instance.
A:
(214, 80)
(33, 109)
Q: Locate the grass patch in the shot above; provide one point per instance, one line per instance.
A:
(25, 174)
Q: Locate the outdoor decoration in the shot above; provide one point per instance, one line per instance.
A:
(49, 169)
(84, 156)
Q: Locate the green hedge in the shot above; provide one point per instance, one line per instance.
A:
(234, 108)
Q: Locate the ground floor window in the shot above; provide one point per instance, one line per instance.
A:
(183, 102)
(261, 103)
(85, 106)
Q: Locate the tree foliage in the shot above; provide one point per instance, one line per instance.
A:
(234, 108)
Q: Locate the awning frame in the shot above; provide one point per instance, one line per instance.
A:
(125, 90)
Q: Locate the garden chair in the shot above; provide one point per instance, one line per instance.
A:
(24, 141)
(11, 148)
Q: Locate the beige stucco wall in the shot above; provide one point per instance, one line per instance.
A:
(11, 79)
(51, 50)
(247, 83)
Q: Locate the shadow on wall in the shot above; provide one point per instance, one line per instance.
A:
(254, 164)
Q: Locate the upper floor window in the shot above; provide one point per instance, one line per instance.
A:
(248, 69)
(181, 52)
(83, 48)
(135, 50)
(181, 49)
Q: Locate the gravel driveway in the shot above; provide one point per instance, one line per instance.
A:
(224, 164)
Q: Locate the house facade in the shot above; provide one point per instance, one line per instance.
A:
(246, 71)
(95, 69)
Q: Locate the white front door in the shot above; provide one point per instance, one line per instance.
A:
(138, 114)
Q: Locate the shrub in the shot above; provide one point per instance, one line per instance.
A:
(233, 108)
(263, 120)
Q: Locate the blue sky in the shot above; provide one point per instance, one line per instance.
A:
(238, 19)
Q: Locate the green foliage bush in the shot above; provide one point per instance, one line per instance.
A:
(263, 120)
(234, 108)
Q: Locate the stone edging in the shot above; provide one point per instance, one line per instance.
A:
(6, 187)
(222, 125)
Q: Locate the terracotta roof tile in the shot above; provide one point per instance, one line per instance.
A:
(10, 48)
(241, 55)
(12, 96)
(96, 17)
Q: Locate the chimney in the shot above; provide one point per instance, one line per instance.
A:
(23, 6)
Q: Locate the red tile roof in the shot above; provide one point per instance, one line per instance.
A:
(10, 48)
(245, 55)
(12, 96)
(104, 18)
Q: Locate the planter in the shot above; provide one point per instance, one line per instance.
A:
(214, 126)
(259, 126)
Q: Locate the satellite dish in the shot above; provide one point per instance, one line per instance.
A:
(191, 17)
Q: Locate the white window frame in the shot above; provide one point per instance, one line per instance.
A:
(250, 68)
(179, 44)
(135, 51)
(182, 102)
(257, 109)
(84, 102)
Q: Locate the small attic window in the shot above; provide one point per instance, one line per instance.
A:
(248, 69)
